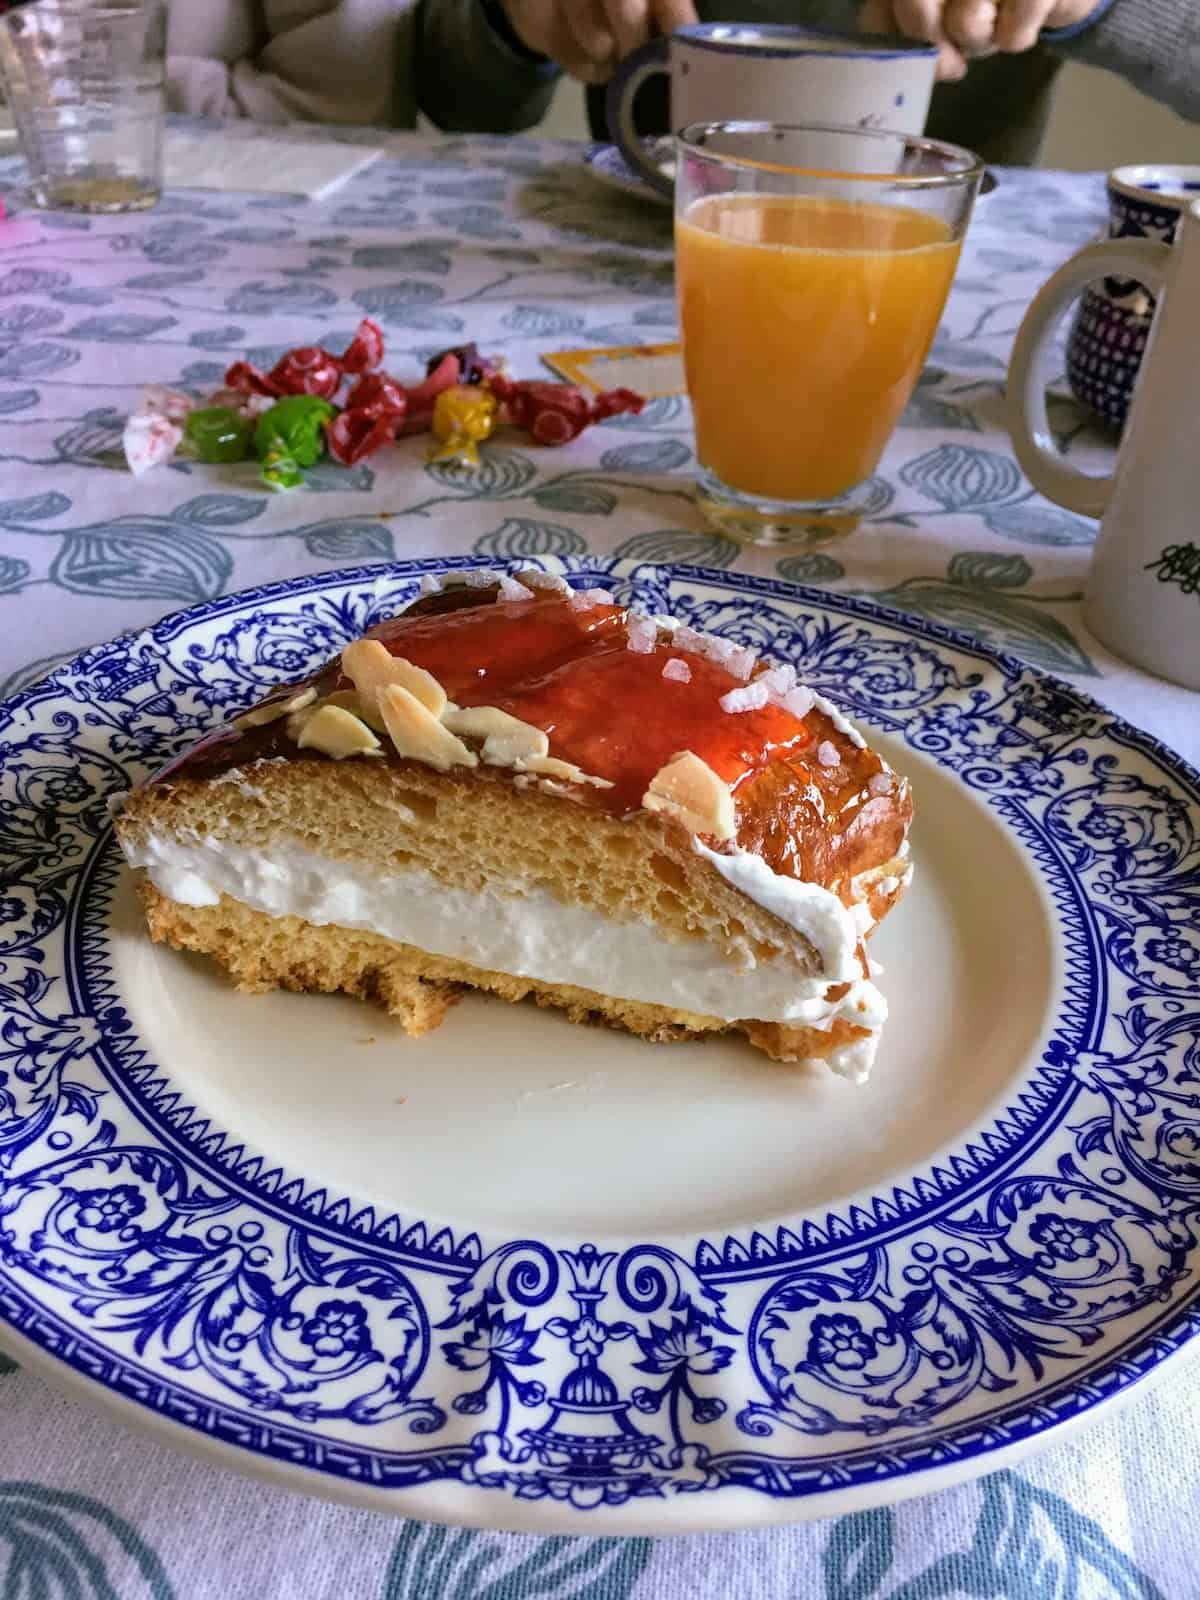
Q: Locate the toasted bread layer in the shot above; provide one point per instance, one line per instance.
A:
(479, 831)
(261, 953)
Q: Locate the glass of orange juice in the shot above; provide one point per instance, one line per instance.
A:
(813, 264)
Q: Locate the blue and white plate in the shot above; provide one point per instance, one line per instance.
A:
(531, 1275)
(606, 163)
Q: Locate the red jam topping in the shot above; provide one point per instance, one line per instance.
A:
(606, 708)
(609, 711)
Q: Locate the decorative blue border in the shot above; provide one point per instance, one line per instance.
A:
(854, 1351)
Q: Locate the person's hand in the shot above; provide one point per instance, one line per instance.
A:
(588, 37)
(963, 29)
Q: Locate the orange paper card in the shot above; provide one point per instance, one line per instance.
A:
(648, 369)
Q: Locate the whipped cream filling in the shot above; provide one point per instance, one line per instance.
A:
(525, 931)
(813, 912)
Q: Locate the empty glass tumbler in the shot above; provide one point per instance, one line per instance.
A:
(85, 82)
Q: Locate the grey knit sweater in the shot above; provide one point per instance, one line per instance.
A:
(999, 109)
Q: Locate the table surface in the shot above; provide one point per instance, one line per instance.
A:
(510, 243)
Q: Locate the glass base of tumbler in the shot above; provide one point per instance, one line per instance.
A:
(94, 193)
(756, 519)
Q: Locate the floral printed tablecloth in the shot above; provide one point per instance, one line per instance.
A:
(512, 244)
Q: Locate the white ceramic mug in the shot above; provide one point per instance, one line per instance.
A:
(1143, 593)
(723, 71)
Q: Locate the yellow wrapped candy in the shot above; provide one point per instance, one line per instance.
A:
(463, 415)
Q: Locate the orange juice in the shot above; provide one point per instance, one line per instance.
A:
(805, 323)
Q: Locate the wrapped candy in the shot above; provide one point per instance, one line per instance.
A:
(218, 433)
(462, 416)
(555, 413)
(374, 413)
(153, 434)
(309, 369)
(291, 435)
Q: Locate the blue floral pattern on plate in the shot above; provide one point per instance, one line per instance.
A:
(1036, 1271)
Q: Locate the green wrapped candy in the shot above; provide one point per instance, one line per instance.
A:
(294, 427)
(281, 470)
(218, 433)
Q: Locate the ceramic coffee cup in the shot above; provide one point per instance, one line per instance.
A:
(722, 71)
(1143, 591)
(1111, 327)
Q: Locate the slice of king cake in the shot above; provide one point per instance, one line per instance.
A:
(533, 791)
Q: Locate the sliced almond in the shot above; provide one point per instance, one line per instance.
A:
(689, 792)
(336, 732)
(261, 716)
(371, 668)
(418, 734)
(350, 700)
(506, 739)
(552, 767)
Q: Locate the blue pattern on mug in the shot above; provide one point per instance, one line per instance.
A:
(1112, 324)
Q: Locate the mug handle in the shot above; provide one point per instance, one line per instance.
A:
(1144, 260)
(642, 63)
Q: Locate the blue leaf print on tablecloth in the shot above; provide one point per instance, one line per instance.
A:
(585, 497)
(959, 355)
(56, 1543)
(229, 336)
(422, 255)
(656, 455)
(522, 536)
(260, 234)
(13, 572)
(330, 477)
(1027, 1544)
(1008, 261)
(437, 1563)
(386, 300)
(142, 558)
(349, 541)
(65, 222)
(542, 321)
(260, 299)
(929, 410)
(481, 187)
(994, 615)
(82, 297)
(500, 474)
(962, 477)
(34, 360)
(811, 567)
(29, 319)
(679, 545)
(859, 1555)
(221, 510)
(34, 507)
(182, 252)
(424, 319)
(203, 374)
(981, 566)
(17, 400)
(668, 411)
(477, 222)
(118, 327)
(165, 280)
(394, 218)
(1041, 524)
(33, 280)
(656, 317)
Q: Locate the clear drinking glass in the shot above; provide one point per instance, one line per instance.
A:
(85, 84)
(813, 264)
